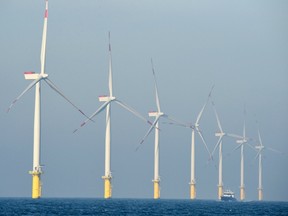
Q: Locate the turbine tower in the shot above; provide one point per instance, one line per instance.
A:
(220, 134)
(107, 104)
(157, 114)
(260, 148)
(242, 186)
(37, 169)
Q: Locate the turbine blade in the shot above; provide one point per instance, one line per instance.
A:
(156, 88)
(173, 120)
(274, 150)
(234, 136)
(259, 137)
(244, 127)
(217, 144)
(237, 147)
(100, 109)
(202, 110)
(177, 124)
(204, 142)
(217, 117)
(148, 132)
(110, 69)
(200, 114)
(25, 90)
(257, 155)
(250, 146)
(44, 38)
(133, 111)
(55, 88)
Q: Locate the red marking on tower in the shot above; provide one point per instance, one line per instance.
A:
(46, 13)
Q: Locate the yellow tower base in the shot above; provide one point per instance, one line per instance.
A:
(107, 187)
(242, 193)
(192, 191)
(260, 194)
(36, 184)
(156, 189)
(220, 191)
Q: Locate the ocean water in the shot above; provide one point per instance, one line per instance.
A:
(60, 206)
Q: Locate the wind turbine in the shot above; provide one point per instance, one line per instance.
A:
(158, 115)
(242, 141)
(37, 169)
(260, 148)
(220, 134)
(107, 104)
(196, 127)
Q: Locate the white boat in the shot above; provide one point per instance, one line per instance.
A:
(228, 195)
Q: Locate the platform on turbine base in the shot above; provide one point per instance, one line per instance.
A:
(36, 184)
(107, 187)
(260, 194)
(242, 193)
(156, 189)
(192, 190)
(220, 191)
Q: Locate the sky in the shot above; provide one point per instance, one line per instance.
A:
(241, 47)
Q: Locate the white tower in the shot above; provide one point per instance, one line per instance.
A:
(241, 143)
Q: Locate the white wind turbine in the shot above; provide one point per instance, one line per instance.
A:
(220, 134)
(157, 114)
(260, 148)
(37, 170)
(242, 141)
(196, 127)
(108, 100)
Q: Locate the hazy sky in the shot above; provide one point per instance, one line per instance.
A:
(240, 46)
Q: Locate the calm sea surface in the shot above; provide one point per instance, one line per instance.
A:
(45, 206)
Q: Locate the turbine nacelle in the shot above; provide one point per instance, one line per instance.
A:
(259, 147)
(30, 75)
(155, 113)
(105, 98)
(219, 134)
(239, 141)
(242, 141)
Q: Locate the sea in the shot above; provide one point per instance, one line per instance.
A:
(150, 207)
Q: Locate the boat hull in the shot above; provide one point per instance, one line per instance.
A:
(228, 199)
